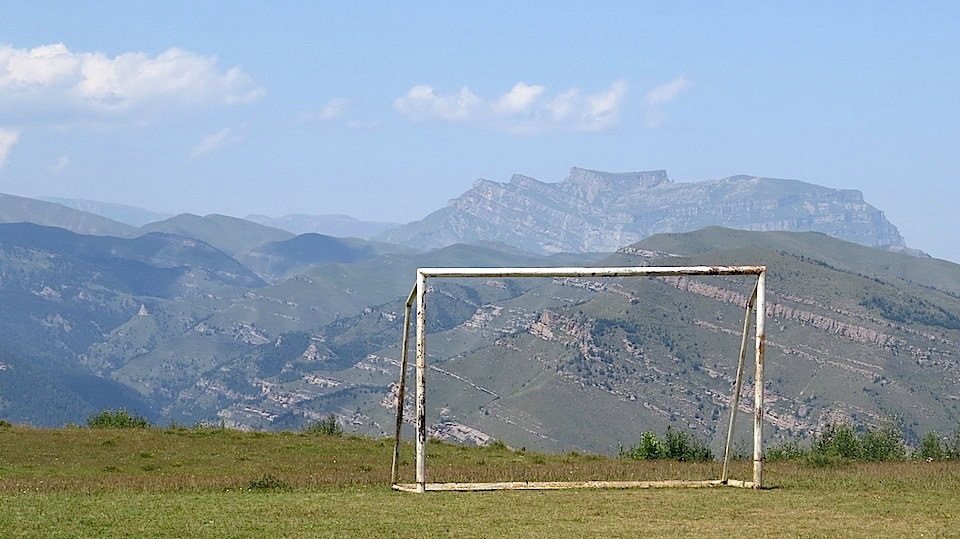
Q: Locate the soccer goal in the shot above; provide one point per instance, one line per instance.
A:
(418, 297)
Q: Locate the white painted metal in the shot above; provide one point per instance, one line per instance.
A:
(632, 271)
(421, 381)
(735, 399)
(402, 384)
(420, 290)
(761, 337)
(559, 485)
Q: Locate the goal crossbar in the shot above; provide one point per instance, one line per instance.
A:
(417, 298)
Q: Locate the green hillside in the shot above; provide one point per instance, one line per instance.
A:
(14, 209)
(229, 234)
(854, 334)
(180, 331)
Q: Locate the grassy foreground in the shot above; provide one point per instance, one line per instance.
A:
(210, 483)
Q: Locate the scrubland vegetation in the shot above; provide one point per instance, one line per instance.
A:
(116, 481)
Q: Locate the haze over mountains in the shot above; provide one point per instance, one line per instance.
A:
(218, 319)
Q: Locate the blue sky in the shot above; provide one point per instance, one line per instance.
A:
(385, 113)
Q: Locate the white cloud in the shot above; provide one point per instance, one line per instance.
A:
(603, 110)
(519, 99)
(661, 95)
(423, 103)
(212, 143)
(8, 138)
(53, 76)
(524, 108)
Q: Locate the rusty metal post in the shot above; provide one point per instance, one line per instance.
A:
(735, 401)
(758, 382)
(402, 384)
(421, 381)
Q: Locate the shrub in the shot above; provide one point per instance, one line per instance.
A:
(931, 447)
(952, 446)
(685, 448)
(882, 444)
(842, 442)
(649, 448)
(675, 445)
(838, 441)
(325, 427)
(120, 419)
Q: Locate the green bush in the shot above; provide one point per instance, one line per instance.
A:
(933, 446)
(120, 419)
(674, 445)
(839, 442)
(882, 444)
(325, 427)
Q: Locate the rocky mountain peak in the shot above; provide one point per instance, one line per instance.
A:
(601, 211)
(628, 180)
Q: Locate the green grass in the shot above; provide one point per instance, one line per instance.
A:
(216, 483)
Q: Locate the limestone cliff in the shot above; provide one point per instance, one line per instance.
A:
(593, 211)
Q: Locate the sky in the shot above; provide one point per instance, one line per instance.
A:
(386, 110)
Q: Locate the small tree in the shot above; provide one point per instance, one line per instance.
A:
(931, 447)
(882, 444)
(838, 441)
(120, 419)
(675, 445)
(325, 427)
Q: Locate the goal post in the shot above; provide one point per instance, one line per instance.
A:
(417, 299)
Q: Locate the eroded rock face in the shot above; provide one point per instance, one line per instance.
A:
(593, 211)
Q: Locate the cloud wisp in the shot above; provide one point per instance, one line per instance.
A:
(524, 108)
(212, 143)
(54, 77)
(8, 137)
(659, 96)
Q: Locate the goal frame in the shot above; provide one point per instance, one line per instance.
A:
(418, 296)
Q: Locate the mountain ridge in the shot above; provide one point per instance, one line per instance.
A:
(602, 211)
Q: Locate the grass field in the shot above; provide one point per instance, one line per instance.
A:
(80, 482)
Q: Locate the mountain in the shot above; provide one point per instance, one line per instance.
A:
(14, 209)
(278, 260)
(230, 234)
(130, 215)
(854, 333)
(341, 226)
(602, 211)
(65, 293)
(179, 330)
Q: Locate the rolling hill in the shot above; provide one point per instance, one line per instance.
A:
(293, 329)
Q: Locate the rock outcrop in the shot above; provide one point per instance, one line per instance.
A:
(593, 211)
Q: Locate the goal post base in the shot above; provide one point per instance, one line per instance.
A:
(562, 485)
